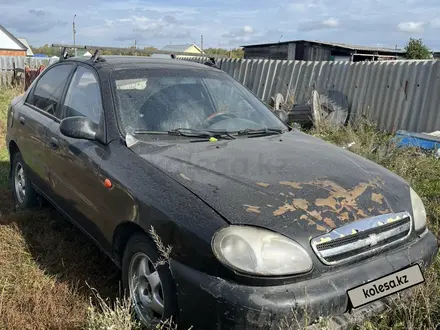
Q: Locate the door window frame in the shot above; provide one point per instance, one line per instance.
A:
(62, 110)
(102, 126)
(57, 116)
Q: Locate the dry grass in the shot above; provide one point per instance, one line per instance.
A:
(45, 262)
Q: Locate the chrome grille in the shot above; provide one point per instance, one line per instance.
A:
(362, 238)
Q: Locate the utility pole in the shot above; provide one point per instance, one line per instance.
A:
(74, 32)
(201, 42)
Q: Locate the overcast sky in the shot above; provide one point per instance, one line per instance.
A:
(223, 23)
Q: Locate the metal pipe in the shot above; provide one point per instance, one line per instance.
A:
(74, 32)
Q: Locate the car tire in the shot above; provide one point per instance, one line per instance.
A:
(141, 248)
(24, 194)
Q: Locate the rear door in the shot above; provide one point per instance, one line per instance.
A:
(40, 110)
(75, 163)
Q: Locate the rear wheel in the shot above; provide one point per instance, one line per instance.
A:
(149, 286)
(23, 192)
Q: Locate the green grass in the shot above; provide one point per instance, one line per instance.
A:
(422, 171)
(48, 267)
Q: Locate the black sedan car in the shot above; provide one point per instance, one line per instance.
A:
(265, 223)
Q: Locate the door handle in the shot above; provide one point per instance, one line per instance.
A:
(22, 120)
(53, 143)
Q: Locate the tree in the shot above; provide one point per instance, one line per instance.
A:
(415, 49)
(234, 53)
(47, 50)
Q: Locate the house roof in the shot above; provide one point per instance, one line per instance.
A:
(335, 44)
(83, 52)
(29, 51)
(11, 37)
(180, 48)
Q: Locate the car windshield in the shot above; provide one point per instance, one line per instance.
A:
(163, 100)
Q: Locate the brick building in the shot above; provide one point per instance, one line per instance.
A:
(10, 45)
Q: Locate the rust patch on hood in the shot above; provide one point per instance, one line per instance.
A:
(252, 209)
(316, 215)
(295, 185)
(330, 202)
(377, 198)
(300, 204)
(320, 228)
(343, 216)
(329, 222)
(283, 209)
(337, 203)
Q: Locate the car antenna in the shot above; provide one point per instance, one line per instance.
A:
(95, 56)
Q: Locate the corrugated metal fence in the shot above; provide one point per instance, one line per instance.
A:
(395, 94)
(7, 66)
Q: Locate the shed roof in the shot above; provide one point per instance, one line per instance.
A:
(335, 44)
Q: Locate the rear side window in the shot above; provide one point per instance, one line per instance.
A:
(49, 88)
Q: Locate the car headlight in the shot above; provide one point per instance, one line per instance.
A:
(259, 251)
(419, 212)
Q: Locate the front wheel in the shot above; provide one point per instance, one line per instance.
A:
(150, 287)
(22, 190)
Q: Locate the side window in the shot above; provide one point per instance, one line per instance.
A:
(83, 97)
(49, 89)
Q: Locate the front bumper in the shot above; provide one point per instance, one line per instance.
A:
(207, 302)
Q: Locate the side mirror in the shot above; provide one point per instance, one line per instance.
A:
(79, 128)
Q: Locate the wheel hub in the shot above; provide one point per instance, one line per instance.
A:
(146, 289)
(20, 182)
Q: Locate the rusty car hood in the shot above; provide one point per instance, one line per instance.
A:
(292, 183)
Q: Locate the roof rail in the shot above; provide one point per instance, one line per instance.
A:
(64, 54)
(212, 63)
(141, 51)
(95, 56)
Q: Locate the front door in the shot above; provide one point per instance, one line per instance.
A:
(75, 174)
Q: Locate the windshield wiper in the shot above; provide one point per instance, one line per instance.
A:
(260, 132)
(199, 133)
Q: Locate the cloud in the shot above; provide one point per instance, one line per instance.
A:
(230, 23)
(435, 23)
(411, 27)
(142, 28)
(302, 7)
(32, 21)
(248, 29)
(170, 19)
(240, 37)
(329, 23)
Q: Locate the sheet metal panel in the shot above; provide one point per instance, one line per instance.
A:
(394, 94)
